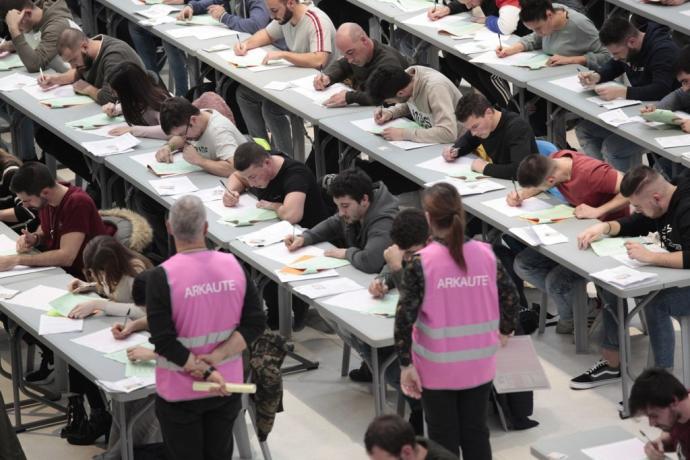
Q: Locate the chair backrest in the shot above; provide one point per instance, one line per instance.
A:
(546, 148)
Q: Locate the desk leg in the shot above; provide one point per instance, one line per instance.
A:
(580, 319)
(284, 312)
(379, 396)
(194, 71)
(297, 127)
(120, 417)
(345, 367)
(241, 435)
(382, 378)
(521, 103)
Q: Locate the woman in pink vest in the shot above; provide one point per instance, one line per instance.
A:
(447, 327)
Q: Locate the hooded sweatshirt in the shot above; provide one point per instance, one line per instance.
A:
(673, 226)
(677, 100)
(56, 18)
(579, 37)
(432, 106)
(650, 71)
(365, 240)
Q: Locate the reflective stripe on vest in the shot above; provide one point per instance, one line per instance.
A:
(456, 331)
(454, 356)
(169, 365)
(208, 339)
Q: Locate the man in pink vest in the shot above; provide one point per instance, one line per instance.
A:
(203, 311)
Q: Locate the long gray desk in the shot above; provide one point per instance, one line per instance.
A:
(578, 104)
(671, 16)
(572, 445)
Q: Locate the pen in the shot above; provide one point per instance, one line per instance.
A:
(647, 438)
(40, 71)
(435, 3)
(126, 318)
(500, 45)
(515, 187)
(238, 38)
(224, 186)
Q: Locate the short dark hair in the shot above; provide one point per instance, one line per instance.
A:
(390, 433)
(655, 388)
(410, 228)
(249, 154)
(682, 63)
(533, 170)
(139, 288)
(31, 178)
(616, 30)
(534, 10)
(385, 81)
(70, 39)
(472, 104)
(352, 182)
(7, 5)
(636, 179)
(176, 112)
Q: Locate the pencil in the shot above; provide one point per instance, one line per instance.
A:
(126, 318)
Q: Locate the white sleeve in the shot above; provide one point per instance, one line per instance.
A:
(508, 18)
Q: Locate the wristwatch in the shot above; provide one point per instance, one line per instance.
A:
(208, 372)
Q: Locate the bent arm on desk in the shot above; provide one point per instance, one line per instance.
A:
(259, 39)
(327, 230)
(292, 207)
(614, 204)
(42, 55)
(312, 60)
(444, 128)
(70, 243)
(256, 18)
(369, 259)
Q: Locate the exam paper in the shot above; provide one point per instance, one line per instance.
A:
(218, 47)
(95, 121)
(311, 264)
(173, 186)
(66, 303)
(613, 246)
(126, 385)
(440, 165)
(518, 367)
(548, 235)
(201, 32)
(528, 205)
(553, 214)
(178, 167)
(409, 6)
(58, 325)
(617, 118)
(121, 355)
(370, 126)
(614, 104)
(327, 288)
(469, 188)
(6, 293)
(104, 342)
(305, 87)
(205, 195)
(254, 57)
(280, 254)
(288, 277)
(8, 246)
(38, 297)
(272, 234)
(16, 81)
(278, 85)
(422, 19)
(142, 369)
(532, 59)
(12, 61)
(61, 102)
(200, 20)
(363, 302)
(111, 146)
(158, 11)
(104, 131)
(673, 141)
(476, 47)
(571, 83)
(247, 201)
(409, 145)
(623, 276)
(249, 217)
(157, 21)
(631, 449)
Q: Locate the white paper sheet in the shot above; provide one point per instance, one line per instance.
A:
(180, 185)
(200, 32)
(42, 95)
(22, 270)
(623, 276)
(38, 297)
(631, 449)
(288, 278)
(16, 81)
(272, 65)
(280, 253)
(529, 205)
(330, 287)
(7, 246)
(6, 293)
(205, 195)
(571, 83)
(469, 188)
(361, 300)
(104, 342)
(158, 11)
(59, 325)
(272, 234)
(518, 367)
(247, 201)
(409, 145)
(490, 58)
(423, 20)
(157, 21)
(103, 130)
(305, 87)
(254, 57)
(614, 104)
(127, 385)
(526, 234)
(476, 47)
(278, 85)
(548, 235)
(111, 146)
(618, 117)
(440, 165)
(673, 141)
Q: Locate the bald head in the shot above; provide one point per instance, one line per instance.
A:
(354, 44)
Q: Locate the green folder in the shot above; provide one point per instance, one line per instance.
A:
(95, 121)
(400, 123)
(463, 28)
(559, 212)
(66, 303)
(314, 264)
(143, 369)
(251, 216)
(11, 62)
(60, 102)
(612, 246)
(179, 166)
(153, 2)
(121, 355)
(201, 20)
(535, 62)
(661, 116)
(464, 173)
(385, 306)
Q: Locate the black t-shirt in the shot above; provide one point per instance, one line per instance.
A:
(294, 176)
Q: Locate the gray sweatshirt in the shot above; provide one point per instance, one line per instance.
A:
(579, 37)
(677, 100)
(112, 54)
(365, 240)
(432, 105)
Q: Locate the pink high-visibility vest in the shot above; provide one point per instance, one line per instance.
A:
(207, 295)
(456, 334)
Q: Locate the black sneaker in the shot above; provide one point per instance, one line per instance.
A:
(361, 375)
(599, 374)
(42, 376)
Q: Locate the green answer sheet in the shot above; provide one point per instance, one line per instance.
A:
(179, 166)
(464, 173)
(201, 20)
(613, 246)
(66, 303)
(250, 217)
(535, 62)
(95, 121)
(462, 28)
(12, 61)
(314, 264)
(61, 102)
(385, 306)
(559, 212)
(661, 116)
(397, 123)
(121, 355)
(142, 369)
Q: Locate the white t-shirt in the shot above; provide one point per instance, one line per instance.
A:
(220, 138)
(313, 33)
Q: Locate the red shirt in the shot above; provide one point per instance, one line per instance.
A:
(592, 182)
(75, 213)
(680, 439)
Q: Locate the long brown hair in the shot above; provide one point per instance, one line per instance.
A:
(443, 205)
(105, 254)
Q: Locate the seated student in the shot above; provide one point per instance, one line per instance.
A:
(646, 58)
(205, 137)
(361, 55)
(309, 35)
(363, 222)
(422, 93)
(590, 185)
(389, 436)
(49, 18)
(248, 16)
(661, 207)
(679, 99)
(12, 210)
(660, 396)
(505, 136)
(285, 186)
(93, 60)
(500, 16)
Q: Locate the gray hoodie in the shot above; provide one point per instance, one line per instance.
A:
(365, 240)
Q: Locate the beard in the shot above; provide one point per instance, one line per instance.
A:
(286, 18)
(88, 63)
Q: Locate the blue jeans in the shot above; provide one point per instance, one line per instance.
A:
(146, 44)
(598, 142)
(549, 277)
(259, 113)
